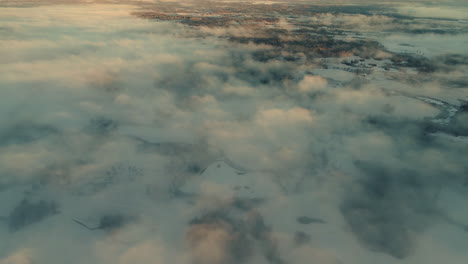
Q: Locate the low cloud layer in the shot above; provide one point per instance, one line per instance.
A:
(326, 137)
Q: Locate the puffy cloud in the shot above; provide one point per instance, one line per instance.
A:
(312, 83)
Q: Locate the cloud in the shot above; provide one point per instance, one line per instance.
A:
(446, 12)
(21, 257)
(130, 140)
(312, 83)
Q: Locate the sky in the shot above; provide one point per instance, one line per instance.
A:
(130, 140)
